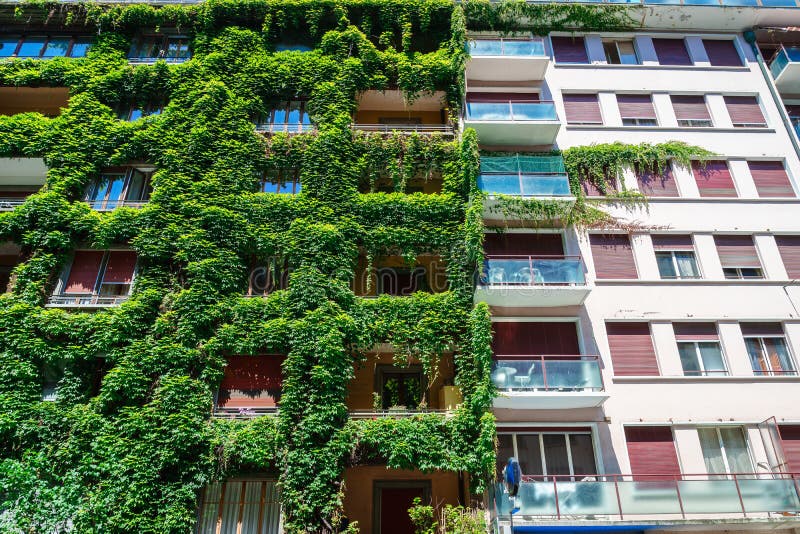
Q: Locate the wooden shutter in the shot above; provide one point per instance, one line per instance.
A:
(690, 107)
(771, 179)
(83, 273)
(613, 256)
(529, 244)
(251, 382)
(535, 338)
(761, 329)
(695, 331)
(582, 109)
(789, 247)
(656, 184)
(744, 111)
(790, 439)
(651, 451)
(120, 266)
(672, 52)
(569, 50)
(714, 179)
(632, 352)
(672, 242)
(722, 53)
(737, 251)
(636, 107)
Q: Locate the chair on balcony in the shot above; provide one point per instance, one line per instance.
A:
(524, 381)
(523, 276)
(497, 275)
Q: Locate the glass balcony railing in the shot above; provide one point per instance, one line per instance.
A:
(533, 271)
(507, 47)
(782, 58)
(651, 495)
(512, 110)
(525, 185)
(547, 373)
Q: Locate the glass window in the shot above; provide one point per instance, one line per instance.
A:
(677, 264)
(281, 181)
(287, 116)
(119, 188)
(769, 356)
(639, 122)
(725, 450)
(569, 454)
(80, 47)
(702, 358)
(57, 46)
(742, 273)
(402, 387)
(31, 46)
(8, 45)
(620, 52)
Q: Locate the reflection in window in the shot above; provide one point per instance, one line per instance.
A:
(43, 46)
(288, 116)
(677, 264)
(124, 187)
(542, 454)
(134, 112)
(172, 48)
(767, 349)
(284, 181)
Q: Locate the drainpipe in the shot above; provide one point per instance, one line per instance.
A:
(750, 37)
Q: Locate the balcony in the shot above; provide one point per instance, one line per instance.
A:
(532, 281)
(785, 68)
(388, 111)
(548, 382)
(241, 413)
(513, 122)
(524, 176)
(507, 60)
(406, 129)
(655, 497)
(88, 300)
(45, 100)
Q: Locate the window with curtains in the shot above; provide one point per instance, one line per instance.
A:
(569, 49)
(620, 52)
(285, 181)
(121, 186)
(722, 53)
(671, 52)
(96, 277)
(713, 179)
(543, 454)
(738, 256)
(675, 256)
(725, 450)
(237, 506)
(170, 48)
(699, 349)
(251, 385)
(767, 349)
(582, 109)
(691, 111)
(637, 110)
(656, 182)
(789, 248)
(44, 46)
(745, 112)
(771, 179)
(290, 116)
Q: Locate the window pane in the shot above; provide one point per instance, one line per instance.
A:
(31, 47)
(294, 116)
(687, 266)
(136, 188)
(712, 453)
(115, 190)
(627, 53)
(530, 457)
(286, 187)
(80, 47)
(505, 450)
(99, 189)
(736, 450)
(555, 454)
(8, 45)
(612, 54)
(135, 114)
(279, 115)
(57, 47)
(582, 454)
(689, 362)
(711, 353)
(757, 360)
(666, 266)
(778, 354)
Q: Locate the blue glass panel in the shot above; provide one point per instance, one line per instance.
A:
(486, 47)
(701, 2)
(115, 191)
(792, 52)
(489, 111)
(8, 45)
(778, 3)
(533, 185)
(56, 47)
(31, 47)
(136, 113)
(739, 2)
(533, 47)
(670, 2)
(286, 188)
(80, 47)
(538, 111)
(292, 47)
(500, 184)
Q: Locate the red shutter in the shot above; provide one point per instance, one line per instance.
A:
(771, 179)
(474, 96)
(722, 53)
(613, 256)
(569, 50)
(632, 352)
(695, 331)
(582, 109)
(690, 107)
(789, 247)
(656, 184)
(672, 242)
(651, 451)
(671, 52)
(714, 179)
(251, 382)
(737, 251)
(636, 107)
(790, 439)
(535, 338)
(744, 111)
(529, 244)
(761, 329)
(120, 266)
(83, 273)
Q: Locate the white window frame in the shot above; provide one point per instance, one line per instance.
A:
(771, 371)
(615, 42)
(675, 265)
(728, 474)
(540, 433)
(699, 358)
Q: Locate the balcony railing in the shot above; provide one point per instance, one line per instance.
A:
(423, 129)
(379, 414)
(547, 373)
(8, 204)
(507, 47)
(145, 60)
(533, 271)
(525, 185)
(782, 58)
(108, 205)
(618, 496)
(285, 127)
(512, 110)
(243, 413)
(85, 300)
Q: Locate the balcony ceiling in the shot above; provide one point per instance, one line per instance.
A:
(22, 171)
(393, 100)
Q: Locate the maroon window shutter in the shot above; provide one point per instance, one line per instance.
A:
(120, 266)
(722, 53)
(771, 179)
(651, 451)
(529, 244)
(761, 329)
(569, 50)
(475, 96)
(656, 184)
(695, 331)
(535, 338)
(745, 111)
(690, 107)
(582, 109)
(737, 251)
(790, 439)
(789, 247)
(714, 179)
(84, 271)
(672, 52)
(613, 256)
(251, 382)
(636, 107)
(632, 352)
(673, 242)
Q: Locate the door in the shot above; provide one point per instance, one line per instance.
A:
(392, 499)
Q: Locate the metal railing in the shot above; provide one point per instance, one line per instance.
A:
(8, 204)
(425, 129)
(108, 205)
(285, 127)
(145, 60)
(85, 301)
(525, 185)
(533, 47)
(563, 373)
(511, 110)
(379, 414)
(242, 413)
(590, 496)
(512, 270)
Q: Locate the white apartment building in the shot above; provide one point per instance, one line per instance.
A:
(647, 374)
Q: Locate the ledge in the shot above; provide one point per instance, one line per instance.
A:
(665, 129)
(696, 68)
(690, 282)
(738, 379)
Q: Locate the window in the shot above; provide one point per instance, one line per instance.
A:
(402, 281)
(285, 181)
(250, 384)
(52, 375)
(96, 277)
(738, 257)
(288, 116)
(691, 111)
(722, 53)
(120, 187)
(632, 350)
(699, 349)
(543, 454)
(651, 451)
(713, 179)
(613, 256)
(267, 277)
(135, 112)
(771, 179)
(675, 256)
(745, 112)
(569, 50)
(620, 52)
(725, 450)
(789, 247)
(172, 48)
(400, 386)
(672, 52)
(637, 110)
(43, 46)
(767, 349)
(251, 505)
(656, 182)
(582, 109)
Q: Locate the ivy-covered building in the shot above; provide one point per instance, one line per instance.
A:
(289, 265)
